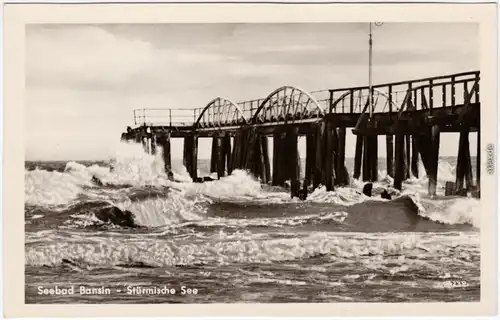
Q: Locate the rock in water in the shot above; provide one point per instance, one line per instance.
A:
(449, 189)
(385, 195)
(116, 216)
(97, 181)
(203, 179)
(367, 189)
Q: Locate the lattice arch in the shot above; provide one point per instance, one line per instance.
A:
(357, 101)
(220, 112)
(287, 104)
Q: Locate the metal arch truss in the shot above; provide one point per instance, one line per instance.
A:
(359, 101)
(220, 112)
(287, 103)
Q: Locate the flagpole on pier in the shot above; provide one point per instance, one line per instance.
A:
(370, 89)
(370, 63)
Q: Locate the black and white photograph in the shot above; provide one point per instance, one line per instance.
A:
(200, 163)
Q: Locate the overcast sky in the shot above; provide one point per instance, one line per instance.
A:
(83, 81)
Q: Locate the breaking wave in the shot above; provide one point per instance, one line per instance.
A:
(166, 203)
(245, 248)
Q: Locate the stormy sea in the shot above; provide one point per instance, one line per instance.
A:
(118, 231)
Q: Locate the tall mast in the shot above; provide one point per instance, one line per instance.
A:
(370, 92)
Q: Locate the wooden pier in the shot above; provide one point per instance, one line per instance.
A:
(410, 114)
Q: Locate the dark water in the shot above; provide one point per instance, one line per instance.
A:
(234, 240)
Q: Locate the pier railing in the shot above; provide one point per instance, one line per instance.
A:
(292, 104)
(435, 92)
(164, 117)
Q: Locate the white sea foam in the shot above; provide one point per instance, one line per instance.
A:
(454, 211)
(172, 209)
(46, 188)
(132, 166)
(239, 186)
(371, 249)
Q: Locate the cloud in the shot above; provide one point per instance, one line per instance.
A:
(83, 81)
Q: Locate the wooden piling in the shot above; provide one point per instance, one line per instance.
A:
(468, 164)
(320, 155)
(194, 156)
(389, 139)
(265, 153)
(407, 156)
(464, 168)
(227, 152)
(399, 161)
(341, 174)
(277, 177)
(358, 157)
(153, 144)
(252, 147)
(310, 158)
(329, 156)
(220, 157)
(434, 159)
(236, 156)
(145, 143)
(373, 158)
(262, 161)
(213, 155)
(293, 157)
(163, 141)
(366, 159)
(188, 154)
(414, 157)
(478, 160)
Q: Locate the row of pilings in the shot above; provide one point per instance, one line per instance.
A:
(325, 156)
(248, 149)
